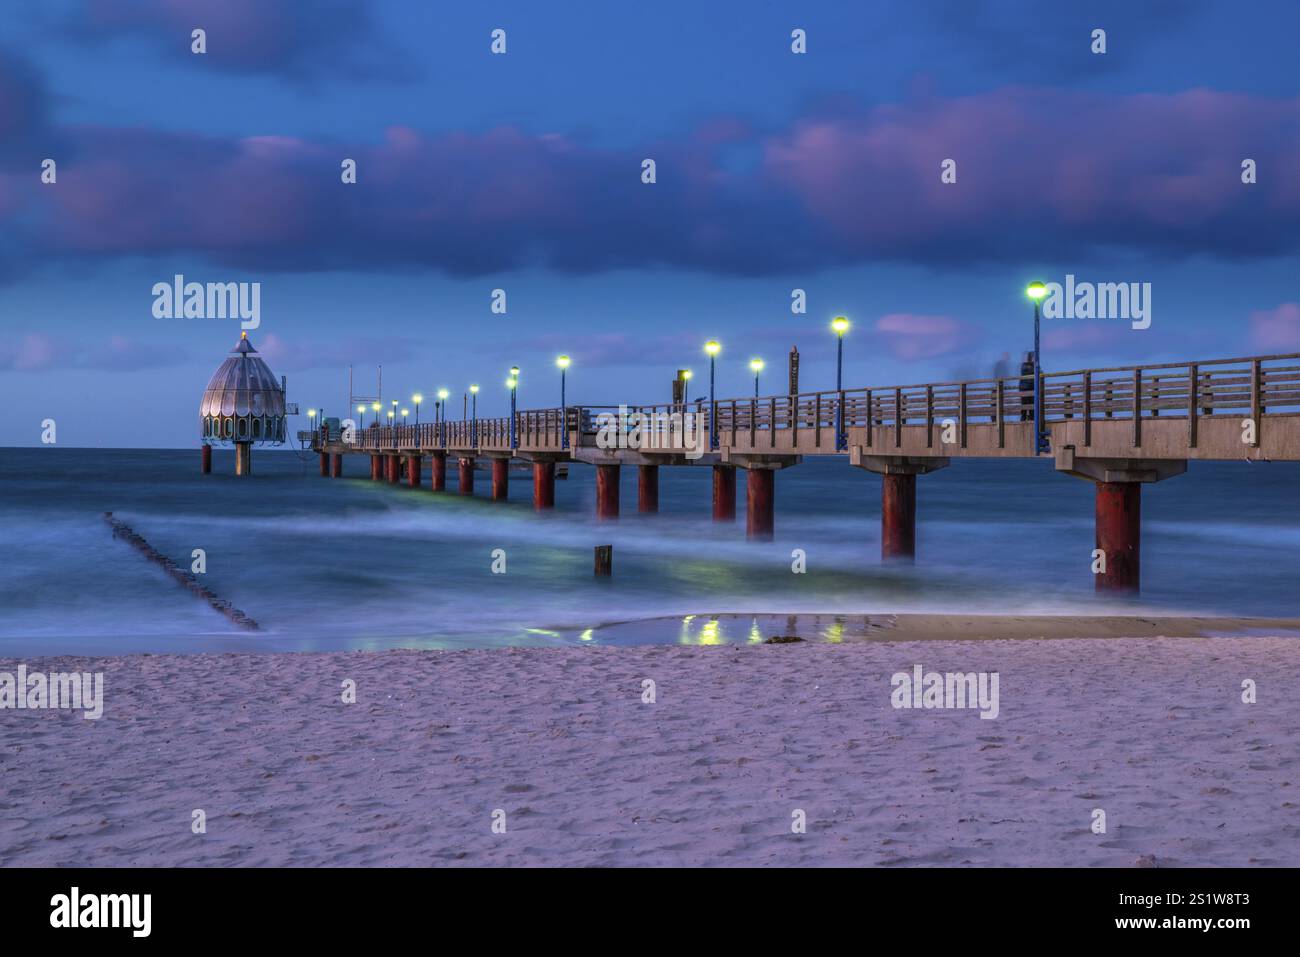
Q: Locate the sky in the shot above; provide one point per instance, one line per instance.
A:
(522, 171)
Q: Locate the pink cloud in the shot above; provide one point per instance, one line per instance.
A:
(1276, 330)
(911, 336)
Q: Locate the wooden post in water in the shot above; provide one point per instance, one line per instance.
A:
(604, 560)
(207, 459)
(243, 458)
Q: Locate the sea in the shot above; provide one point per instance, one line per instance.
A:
(343, 564)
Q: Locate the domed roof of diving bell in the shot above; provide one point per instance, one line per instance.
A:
(243, 385)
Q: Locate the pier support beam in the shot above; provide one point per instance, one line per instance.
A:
(898, 518)
(760, 502)
(500, 480)
(724, 493)
(207, 459)
(897, 498)
(438, 471)
(336, 465)
(607, 478)
(324, 465)
(543, 485)
(375, 471)
(243, 458)
(1118, 512)
(760, 488)
(394, 469)
(647, 488)
(414, 466)
(465, 476)
(1119, 536)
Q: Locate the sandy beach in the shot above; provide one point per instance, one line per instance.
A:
(1152, 731)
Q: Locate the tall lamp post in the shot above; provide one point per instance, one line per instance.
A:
(442, 416)
(757, 366)
(840, 325)
(417, 399)
(712, 347)
(473, 428)
(1037, 291)
(563, 363)
(361, 410)
(513, 382)
(375, 407)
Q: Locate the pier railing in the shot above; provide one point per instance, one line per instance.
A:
(983, 411)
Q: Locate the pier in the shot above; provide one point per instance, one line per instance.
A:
(1118, 428)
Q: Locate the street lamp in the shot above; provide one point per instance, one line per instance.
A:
(473, 391)
(513, 383)
(405, 413)
(840, 325)
(712, 347)
(563, 363)
(375, 407)
(757, 366)
(1037, 291)
(441, 412)
(417, 398)
(361, 410)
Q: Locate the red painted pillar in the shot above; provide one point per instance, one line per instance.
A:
(375, 462)
(607, 492)
(647, 488)
(724, 493)
(760, 501)
(394, 469)
(898, 518)
(500, 479)
(207, 459)
(336, 465)
(324, 465)
(1119, 535)
(543, 485)
(465, 474)
(438, 471)
(414, 466)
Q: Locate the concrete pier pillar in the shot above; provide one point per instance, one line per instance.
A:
(375, 471)
(465, 476)
(438, 471)
(243, 458)
(336, 465)
(898, 518)
(1118, 511)
(394, 469)
(1119, 535)
(324, 465)
(607, 478)
(724, 493)
(543, 485)
(760, 504)
(500, 479)
(414, 466)
(207, 459)
(647, 488)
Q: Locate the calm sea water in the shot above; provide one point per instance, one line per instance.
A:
(328, 564)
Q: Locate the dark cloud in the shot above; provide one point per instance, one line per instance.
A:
(299, 40)
(1046, 176)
